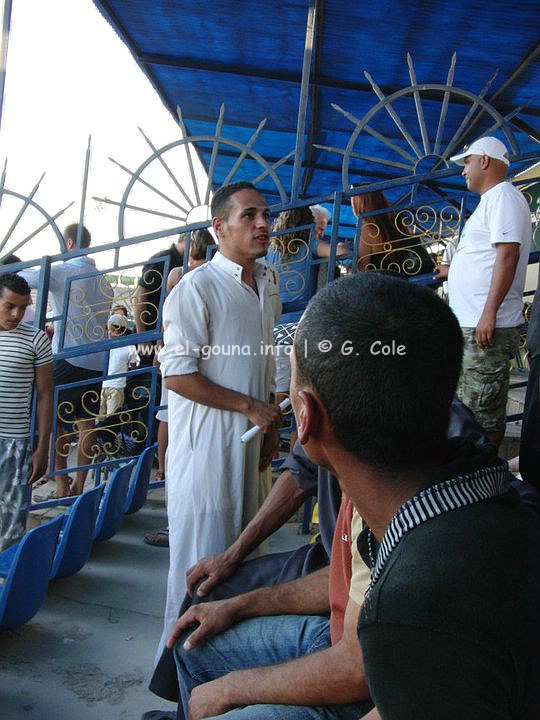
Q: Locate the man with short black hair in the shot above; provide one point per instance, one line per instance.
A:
(25, 360)
(219, 371)
(449, 625)
(85, 317)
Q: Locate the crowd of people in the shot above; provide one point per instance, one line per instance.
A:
(419, 598)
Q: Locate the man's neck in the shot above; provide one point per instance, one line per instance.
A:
(247, 265)
(491, 183)
(378, 495)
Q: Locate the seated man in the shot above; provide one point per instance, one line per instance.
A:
(449, 624)
(121, 359)
(300, 630)
(225, 574)
(386, 447)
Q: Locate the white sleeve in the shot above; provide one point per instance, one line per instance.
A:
(56, 277)
(185, 330)
(133, 355)
(273, 292)
(508, 219)
(31, 277)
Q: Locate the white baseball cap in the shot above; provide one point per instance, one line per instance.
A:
(490, 146)
(118, 320)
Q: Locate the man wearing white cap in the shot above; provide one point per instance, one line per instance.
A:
(121, 359)
(486, 281)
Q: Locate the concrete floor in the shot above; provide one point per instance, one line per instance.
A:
(88, 652)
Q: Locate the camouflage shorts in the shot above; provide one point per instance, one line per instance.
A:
(15, 491)
(485, 376)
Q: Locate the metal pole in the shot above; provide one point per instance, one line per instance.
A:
(6, 23)
(83, 194)
(304, 92)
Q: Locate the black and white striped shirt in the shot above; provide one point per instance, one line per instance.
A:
(21, 350)
(459, 492)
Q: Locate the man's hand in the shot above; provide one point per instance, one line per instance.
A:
(269, 449)
(213, 618)
(441, 272)
(485, 329)
(38, 464)
(266, 415)
(208, 700)
(216, 568)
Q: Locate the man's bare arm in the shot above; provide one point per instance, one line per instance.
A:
(307, 595)
(200, 389)
(441, 271)
(324, 248)
(283, 500)
(506, 261)
(44, 390)
(333, 675)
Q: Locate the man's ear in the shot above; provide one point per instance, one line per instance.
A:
(485, 161)
(308, 416)
(217, 224)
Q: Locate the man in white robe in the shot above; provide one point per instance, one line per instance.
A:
(218, 362)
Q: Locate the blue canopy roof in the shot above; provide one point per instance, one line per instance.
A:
(250, 57)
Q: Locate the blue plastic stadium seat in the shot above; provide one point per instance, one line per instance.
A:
(111, 511)
(138, 487)
(77, 534)
(26, 567)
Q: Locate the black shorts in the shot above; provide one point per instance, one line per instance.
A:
(76, 403)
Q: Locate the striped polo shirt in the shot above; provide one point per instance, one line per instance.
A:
(21, 350)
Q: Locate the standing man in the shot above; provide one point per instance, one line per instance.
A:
(88, 308)
(217, 362)
(25, 360)
(486, 281)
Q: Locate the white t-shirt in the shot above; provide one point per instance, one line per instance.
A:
(119, 361)
(502, 216)
(21, 350)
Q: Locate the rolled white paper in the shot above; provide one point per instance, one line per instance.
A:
(255, 430)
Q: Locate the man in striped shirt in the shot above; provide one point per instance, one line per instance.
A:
(25, 361)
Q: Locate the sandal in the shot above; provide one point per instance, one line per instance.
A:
(157, 539)
(52, 496)
(41, 482)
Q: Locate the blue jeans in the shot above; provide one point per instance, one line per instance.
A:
(256, 642)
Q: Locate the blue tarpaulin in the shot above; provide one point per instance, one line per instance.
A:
(250, 56)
